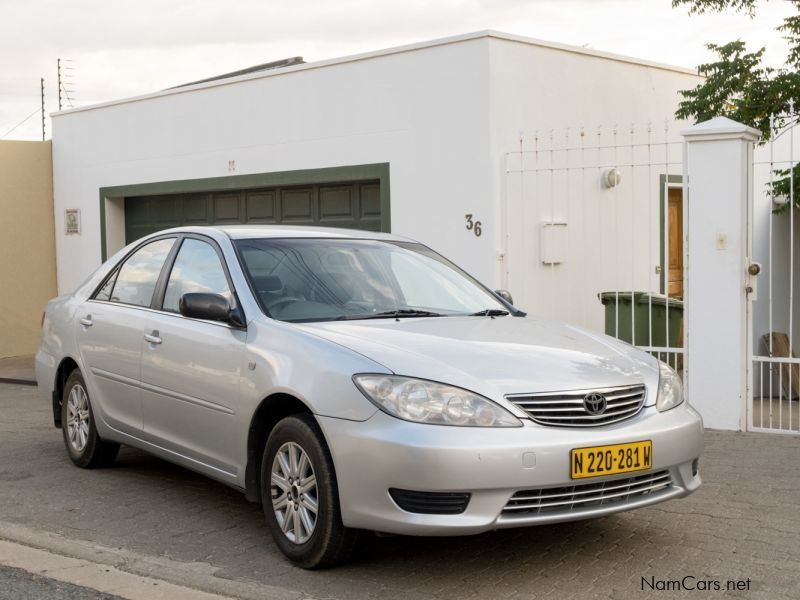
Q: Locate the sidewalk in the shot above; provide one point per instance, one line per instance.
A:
(17, 369)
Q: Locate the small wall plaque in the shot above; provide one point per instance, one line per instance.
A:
(72, 221)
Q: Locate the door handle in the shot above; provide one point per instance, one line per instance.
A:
(87, 321)
(153, 338)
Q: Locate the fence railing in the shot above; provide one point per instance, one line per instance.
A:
(775, 375)
(592, 226)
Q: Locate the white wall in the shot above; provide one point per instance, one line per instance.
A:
(613, 234)
(423, 111)
(443, 115)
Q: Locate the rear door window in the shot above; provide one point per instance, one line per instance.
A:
(104, 293)
(137, 278)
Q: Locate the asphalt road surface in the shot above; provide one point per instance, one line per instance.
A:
(149, 517)
(16, 584)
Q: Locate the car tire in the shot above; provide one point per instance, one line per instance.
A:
(84, 446)
(302, 477)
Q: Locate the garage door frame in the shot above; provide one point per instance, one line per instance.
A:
(112, 197)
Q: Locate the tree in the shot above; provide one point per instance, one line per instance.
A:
(739, 86)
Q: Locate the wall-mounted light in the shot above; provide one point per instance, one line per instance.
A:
(611, 178)
(780, 200)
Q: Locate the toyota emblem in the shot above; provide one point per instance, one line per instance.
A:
(595, 404)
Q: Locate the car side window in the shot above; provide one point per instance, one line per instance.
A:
(197, 268)
(104, 293)
(137, 278)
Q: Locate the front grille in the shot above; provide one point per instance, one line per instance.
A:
(586, 495)
(568, 409)
(430, 503)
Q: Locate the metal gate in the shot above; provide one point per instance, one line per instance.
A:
(589, 231)
(773, 369)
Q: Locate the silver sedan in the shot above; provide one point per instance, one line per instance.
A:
(358, 381)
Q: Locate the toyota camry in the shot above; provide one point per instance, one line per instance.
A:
(351, 381)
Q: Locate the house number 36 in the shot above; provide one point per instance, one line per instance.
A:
(473, 226)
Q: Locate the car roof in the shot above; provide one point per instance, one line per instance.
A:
(241, 232)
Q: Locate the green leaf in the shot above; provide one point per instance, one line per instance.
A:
(786, 187)
(739, 86)
(702, 6)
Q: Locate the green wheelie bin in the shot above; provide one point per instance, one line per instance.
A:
(629, 318)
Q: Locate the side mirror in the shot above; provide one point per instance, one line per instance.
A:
(505, 295)
(212, 307)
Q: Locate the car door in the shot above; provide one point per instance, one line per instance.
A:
(110, 329)
(191, 368)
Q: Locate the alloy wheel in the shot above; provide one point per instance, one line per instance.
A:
(78, 418)
(294, 492)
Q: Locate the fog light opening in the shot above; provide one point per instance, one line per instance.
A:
(430, 503)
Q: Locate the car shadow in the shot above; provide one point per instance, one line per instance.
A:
(543, 545)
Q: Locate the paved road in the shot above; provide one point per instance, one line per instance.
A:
(743, 523)
(16, 584)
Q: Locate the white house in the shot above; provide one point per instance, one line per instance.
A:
(410, 139)
(553, 171)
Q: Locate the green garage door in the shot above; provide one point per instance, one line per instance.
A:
(354, 205)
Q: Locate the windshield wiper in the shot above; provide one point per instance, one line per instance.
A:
(490, 312)
(391, 314)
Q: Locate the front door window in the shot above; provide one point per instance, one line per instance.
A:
(197, 269)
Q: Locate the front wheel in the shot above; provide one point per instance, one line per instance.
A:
(84, 446)
(300, 497)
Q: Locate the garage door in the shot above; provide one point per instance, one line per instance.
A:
(354, 205)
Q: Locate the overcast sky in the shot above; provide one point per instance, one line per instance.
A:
(123, 48)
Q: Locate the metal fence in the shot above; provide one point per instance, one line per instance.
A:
(774, 370)
(586, 219)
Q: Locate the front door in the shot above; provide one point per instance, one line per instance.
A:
(191, 369)
(675, 242)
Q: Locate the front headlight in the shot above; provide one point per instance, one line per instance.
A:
(670, 388)
(424, 401)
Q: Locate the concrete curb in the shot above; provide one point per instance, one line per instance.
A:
(122, 572)
(99, 577)
(18, 381)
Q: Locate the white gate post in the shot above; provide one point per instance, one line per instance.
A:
(718, 175)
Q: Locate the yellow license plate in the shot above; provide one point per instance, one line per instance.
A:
(610, 460)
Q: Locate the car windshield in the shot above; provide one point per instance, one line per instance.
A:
(320, 279)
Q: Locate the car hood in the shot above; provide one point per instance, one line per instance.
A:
(495, 356)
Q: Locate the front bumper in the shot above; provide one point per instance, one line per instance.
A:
(492, 464)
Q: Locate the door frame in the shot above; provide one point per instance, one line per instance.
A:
(112, 198)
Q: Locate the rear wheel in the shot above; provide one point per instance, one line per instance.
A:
(84, 446)
(300, 496)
